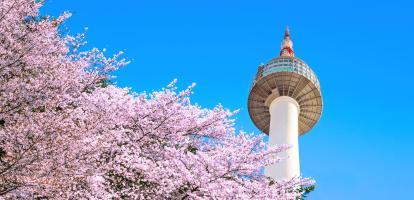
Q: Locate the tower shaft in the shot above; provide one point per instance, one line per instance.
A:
(284, 115)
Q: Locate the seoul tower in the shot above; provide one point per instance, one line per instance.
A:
(285, 102)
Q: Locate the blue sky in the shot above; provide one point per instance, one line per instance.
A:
(360, 50)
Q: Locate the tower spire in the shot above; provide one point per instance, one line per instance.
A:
(287, 45)
(287, 34)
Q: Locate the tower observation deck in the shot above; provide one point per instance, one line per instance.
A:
(285, 101)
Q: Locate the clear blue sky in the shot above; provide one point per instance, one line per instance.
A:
(362, 52)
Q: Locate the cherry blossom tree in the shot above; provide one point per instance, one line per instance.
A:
(67, 133)
(172, 149)
(44, 79)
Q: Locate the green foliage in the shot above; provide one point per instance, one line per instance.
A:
(104, 82)
(192, 149)
(306, 191)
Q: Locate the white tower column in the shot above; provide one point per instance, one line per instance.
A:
(284, 127)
